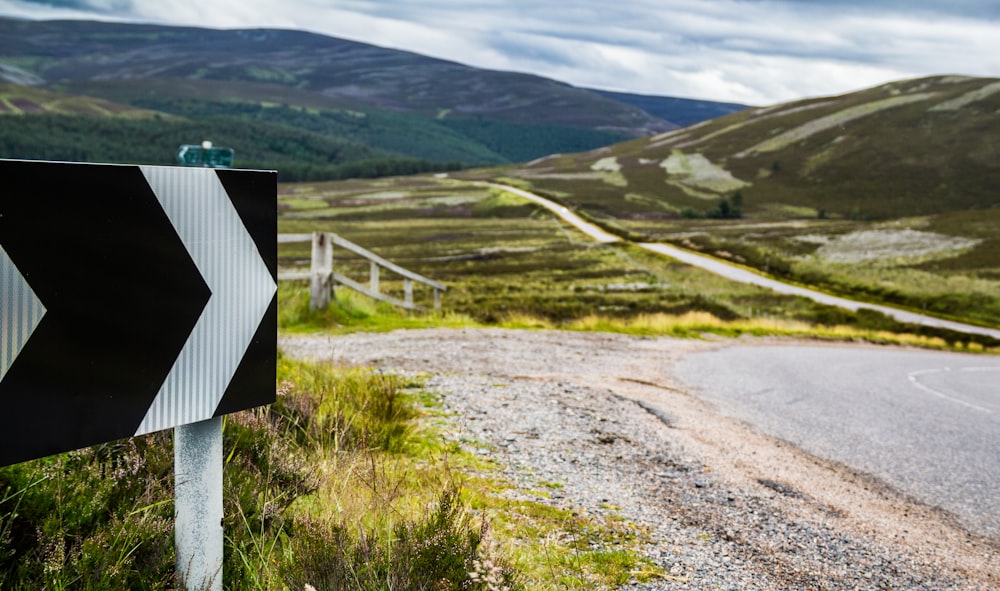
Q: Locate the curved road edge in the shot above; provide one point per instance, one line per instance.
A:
(743, 275)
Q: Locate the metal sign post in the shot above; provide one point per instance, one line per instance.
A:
(135, 299)
(198, 504)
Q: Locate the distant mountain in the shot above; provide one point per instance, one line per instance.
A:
(396, 102)
(680, 111)
(914, 147)
(350, 74)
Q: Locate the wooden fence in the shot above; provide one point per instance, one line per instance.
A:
(322, 277)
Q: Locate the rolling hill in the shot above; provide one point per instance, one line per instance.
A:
(398, 104)
(347, 73)
(908, 148)
(888, 194)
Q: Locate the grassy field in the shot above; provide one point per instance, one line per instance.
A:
(947, 265)
(354, 479)
(502, 257)
(507, 262)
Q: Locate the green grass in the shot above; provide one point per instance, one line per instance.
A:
(351, 312)
(961, 284)
(350, 481)
(16, 99)
(508, 263)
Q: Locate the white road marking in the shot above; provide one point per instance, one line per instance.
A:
(914, 375)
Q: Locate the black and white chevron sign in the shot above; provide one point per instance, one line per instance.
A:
(132, 299)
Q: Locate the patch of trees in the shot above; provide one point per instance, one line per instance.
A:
(522, 142)
(405, 135)
(296, 155)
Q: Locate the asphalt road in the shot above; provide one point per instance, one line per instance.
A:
(927, 423)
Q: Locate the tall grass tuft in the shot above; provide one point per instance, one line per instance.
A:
(350, 311)
(296, 470)
(443, 550)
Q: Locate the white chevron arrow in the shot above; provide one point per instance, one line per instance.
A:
(20, 312)
(241, 286)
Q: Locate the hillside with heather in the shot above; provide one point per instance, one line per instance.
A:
(397, 105)
(908, 148)
(887, 194)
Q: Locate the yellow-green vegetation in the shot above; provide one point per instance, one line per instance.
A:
(948, 264)
(610, 171)
(351, 312)
(968, 98)
(353, 480)
(509, 263)
(500, 256)
(694, 170)
(16, 99)
(561, 549)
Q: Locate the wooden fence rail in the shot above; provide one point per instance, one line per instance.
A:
(322, 277)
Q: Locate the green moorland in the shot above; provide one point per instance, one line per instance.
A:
(886, 195)
(354, 480)
(508, 262)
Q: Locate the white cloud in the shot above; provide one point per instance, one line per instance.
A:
(755, 51)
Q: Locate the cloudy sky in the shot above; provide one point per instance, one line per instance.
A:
(750, 51)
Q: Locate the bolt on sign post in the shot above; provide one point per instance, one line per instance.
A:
(135, 299)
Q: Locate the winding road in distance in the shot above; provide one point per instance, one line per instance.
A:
(925, 422)
(744, 275)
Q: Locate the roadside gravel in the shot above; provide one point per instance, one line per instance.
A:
(724, 506)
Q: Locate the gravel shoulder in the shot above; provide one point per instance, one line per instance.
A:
(725, 507)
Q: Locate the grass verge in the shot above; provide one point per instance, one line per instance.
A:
(349, 482)
(351, 312)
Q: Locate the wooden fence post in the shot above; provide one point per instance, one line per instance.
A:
(321, 271)
(323, 279)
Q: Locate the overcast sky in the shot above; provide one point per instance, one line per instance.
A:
(750, 51)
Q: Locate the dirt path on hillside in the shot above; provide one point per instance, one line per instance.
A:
(727, 507)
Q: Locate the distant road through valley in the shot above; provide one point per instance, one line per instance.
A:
(744, 275)
(927, 423)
